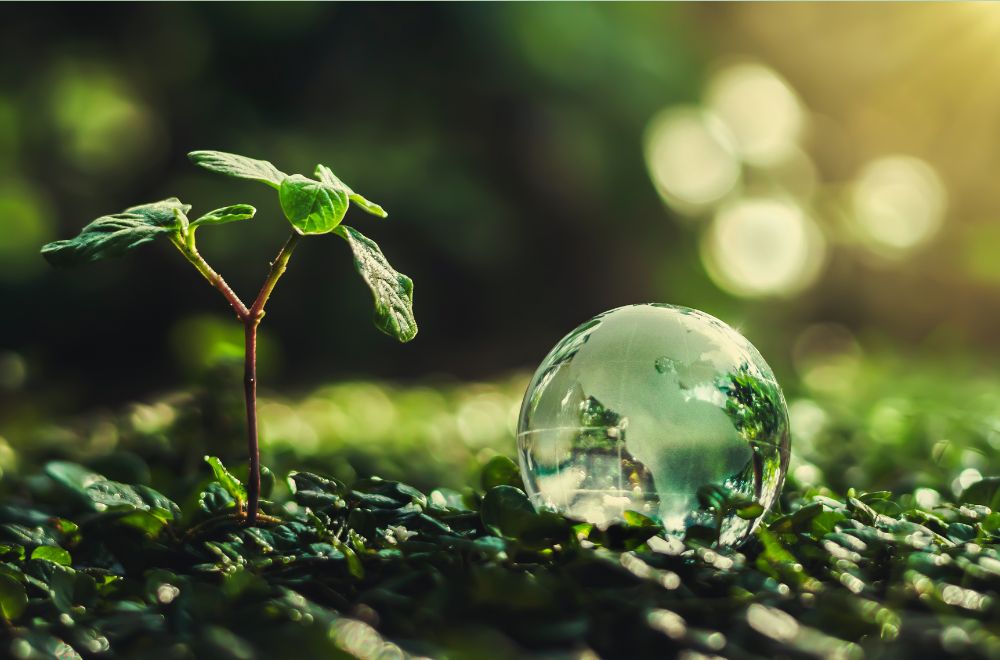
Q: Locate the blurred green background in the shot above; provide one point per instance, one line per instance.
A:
(821, 177)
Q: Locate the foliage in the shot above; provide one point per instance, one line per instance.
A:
(393, 291)
(114, 235)
(834, 572)
(311, 206)
(97, 568)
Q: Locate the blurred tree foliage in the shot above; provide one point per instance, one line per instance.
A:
(504, 163)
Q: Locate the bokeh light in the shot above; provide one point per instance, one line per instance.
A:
(898, 203)
(27, 223)
(760, 109)
(205, 342)
(763, 247)
(826, 356)
(8, 132)
(13, 370)
(690, 158)
(101, 122)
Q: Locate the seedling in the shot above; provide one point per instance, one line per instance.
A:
(312, 205)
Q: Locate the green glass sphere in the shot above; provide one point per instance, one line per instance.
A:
(647, 408)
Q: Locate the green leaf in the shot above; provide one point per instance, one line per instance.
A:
(750, 510)
(991, 523)
(326, 175)
(507, 511)
(798, 519)
(268, 480)
(225, 214)
(311, 206)
(401, 494)
(960, 532)
(73, 477)
(713, 497)
(114, 235)
(30, 536)
(164, 213)
(986, 491)
(16, 552)
(316, 492)
(147, 522)
(392, 291)
(41, 644)
(113, 495)
(13, 598)
(636, 519)
(215, 499)
(354, 565)
(635, 530)
(369, 206)
(500, 471)
(138, 506)
(232, 485)
(135, 506)
(53, 554)
(238, 166)
(66, 588)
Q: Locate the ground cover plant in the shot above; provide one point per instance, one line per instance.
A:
(98, 568)
(107, 556)
(312, 206)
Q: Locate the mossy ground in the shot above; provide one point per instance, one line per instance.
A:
(153, 562)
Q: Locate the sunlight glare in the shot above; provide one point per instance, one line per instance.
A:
(763, 247)
(898, 202)
(761, 110)
(690, 158)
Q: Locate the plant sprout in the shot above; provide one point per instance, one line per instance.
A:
(312, 206)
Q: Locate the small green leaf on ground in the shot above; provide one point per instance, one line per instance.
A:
(311, 206)
(749, 510)
(392, 291)
(53, 554)
(507, 511)
(500, 471)
(232, 485)
(238, 166)
(215, 499)
(636, 519)
(985, 491)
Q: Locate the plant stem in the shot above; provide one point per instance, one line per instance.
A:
(250, 395)
(250, 318)
(190, 252)
(250, 322)
(278, 267)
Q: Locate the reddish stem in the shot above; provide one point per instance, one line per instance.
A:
(250, 322)
(250, 318)
(188, 249)
(250, 394)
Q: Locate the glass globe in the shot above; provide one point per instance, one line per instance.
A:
(639, 408)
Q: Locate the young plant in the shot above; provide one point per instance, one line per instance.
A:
(312, 205)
